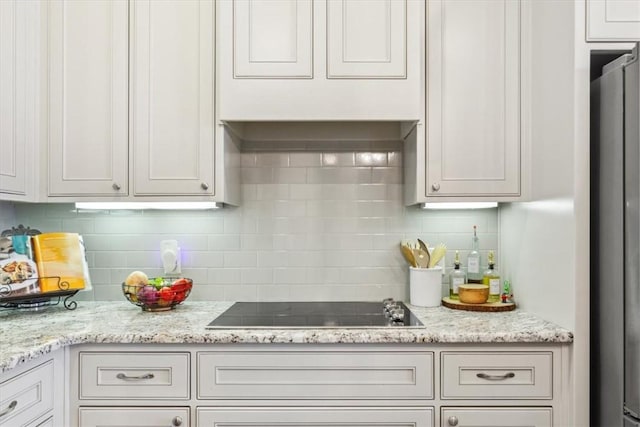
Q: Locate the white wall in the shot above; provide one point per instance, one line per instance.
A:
(538, 238)
(545, 243)
(312, 226)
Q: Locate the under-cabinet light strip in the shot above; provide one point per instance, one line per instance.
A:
(460, 205)
(146, 205)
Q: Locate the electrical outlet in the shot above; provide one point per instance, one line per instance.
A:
(170, 255)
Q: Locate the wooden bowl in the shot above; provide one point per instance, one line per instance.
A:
(471, 293)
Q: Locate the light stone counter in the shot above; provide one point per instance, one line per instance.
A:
(27, 335)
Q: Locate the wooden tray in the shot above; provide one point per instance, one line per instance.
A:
(487, 306)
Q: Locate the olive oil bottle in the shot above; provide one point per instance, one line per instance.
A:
(491, 278)
(457, 278)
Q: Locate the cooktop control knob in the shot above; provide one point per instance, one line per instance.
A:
(397, 314)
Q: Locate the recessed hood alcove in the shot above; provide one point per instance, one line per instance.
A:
(315, 135)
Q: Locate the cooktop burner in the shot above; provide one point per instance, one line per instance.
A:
(271, 315)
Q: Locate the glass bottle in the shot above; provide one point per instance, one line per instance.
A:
(492, 279)
(473, 260)
(457, 278)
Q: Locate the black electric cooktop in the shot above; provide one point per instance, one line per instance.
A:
(315, 315)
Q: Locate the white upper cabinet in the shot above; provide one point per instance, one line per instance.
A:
(318, 60)
(613, 20)
(366, 39)
(473, 98)
(172, 70)
(131, 100)
(18, 65)
(273, 39)
(88, 97)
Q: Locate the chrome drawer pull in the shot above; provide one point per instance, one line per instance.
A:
(495, 377)
(126, 377)
(9, 409)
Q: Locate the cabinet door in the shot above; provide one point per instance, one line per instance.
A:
(272, 39)
(496, 417)
(316, 417)
(88, 96)
(27, 396)
(473, 98)
(17, 94)
(172, 54)
(366, 38)
(133, 417)
(613, 20)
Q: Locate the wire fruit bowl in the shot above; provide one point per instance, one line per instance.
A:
(159, 294)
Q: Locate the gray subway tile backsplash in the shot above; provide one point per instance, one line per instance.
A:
(313, 225)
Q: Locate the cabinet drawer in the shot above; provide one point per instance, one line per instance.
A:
(318, 374)
(496, 417)
(27, 396)
(316, 417)
(503, 375)
(134, 375)
(46, 423)
(133, 417)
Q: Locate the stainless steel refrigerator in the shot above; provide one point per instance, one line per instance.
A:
(615, 248)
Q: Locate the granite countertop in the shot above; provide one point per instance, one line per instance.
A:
(27, 335)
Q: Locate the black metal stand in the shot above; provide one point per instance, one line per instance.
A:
(12, 298)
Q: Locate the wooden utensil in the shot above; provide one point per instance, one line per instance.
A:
(408, 255)
(422, 258)
(437, 255)
(424, 247)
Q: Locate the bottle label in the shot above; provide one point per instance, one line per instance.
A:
(494, 286)
(456, 282)
(473, 265)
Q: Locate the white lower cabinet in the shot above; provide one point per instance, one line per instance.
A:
(316, 417)
(328, 374)
(337, 385)
(27, 396)
(46, 423)
(496, 417)
(122, 375)
(33, 395)
(499, 375)
(134, 417)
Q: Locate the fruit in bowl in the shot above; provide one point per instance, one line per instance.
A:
(155, 294)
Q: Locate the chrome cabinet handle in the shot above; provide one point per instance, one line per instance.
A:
(495, 377)
(204, 186)
(9, 408)
(177, 421)
(126, 377)
(116, 186)
(453, 421)
(435, 187)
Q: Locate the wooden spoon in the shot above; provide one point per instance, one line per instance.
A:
(424, 247)
(408, 255)
(437, 255)
(423, 256)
